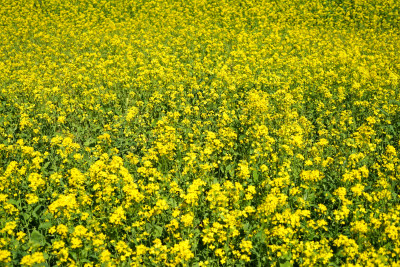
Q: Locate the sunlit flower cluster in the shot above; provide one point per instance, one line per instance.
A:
(199, 133)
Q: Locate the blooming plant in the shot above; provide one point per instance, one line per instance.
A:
(199, 133)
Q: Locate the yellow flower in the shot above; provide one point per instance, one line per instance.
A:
(20, 236)
(61, 119)
(187, 219)
(105, 256)
(30, 260)
(182, 252)
(323, 142)
(36, 181)
(5, 255)
(245, 246)
(132, 112)
(58, 244)
(9, 228)
(31, 198)
(311, 176)
(392, 232)
(76, 242)
(118, 216)
(341, 193)
(322, 208)
(80, 231)
(62, 230)
(357, 189)
(243, 171)
(63, 254)
(391, 150)
(76, 178)
(162, 204)
(360, 227)
(141, 250)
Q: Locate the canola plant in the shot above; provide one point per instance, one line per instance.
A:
(199, 133)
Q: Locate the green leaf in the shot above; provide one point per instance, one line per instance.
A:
(286, 264)
(45, 225)
(230, 169)
(27, 216)
(148, 227)
(14, 202)
(158, 230)
(73, 254)
(37, 238)
(89, 142)
(255, 175)
(35, 213)
(260, 236)
(46, 165)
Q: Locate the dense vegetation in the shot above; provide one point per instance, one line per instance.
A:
(199, 133)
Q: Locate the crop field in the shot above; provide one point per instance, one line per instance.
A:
(199, 133)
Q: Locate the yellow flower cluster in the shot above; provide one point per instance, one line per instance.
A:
(199, 133)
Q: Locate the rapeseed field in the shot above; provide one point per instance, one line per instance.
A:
(199, 133)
